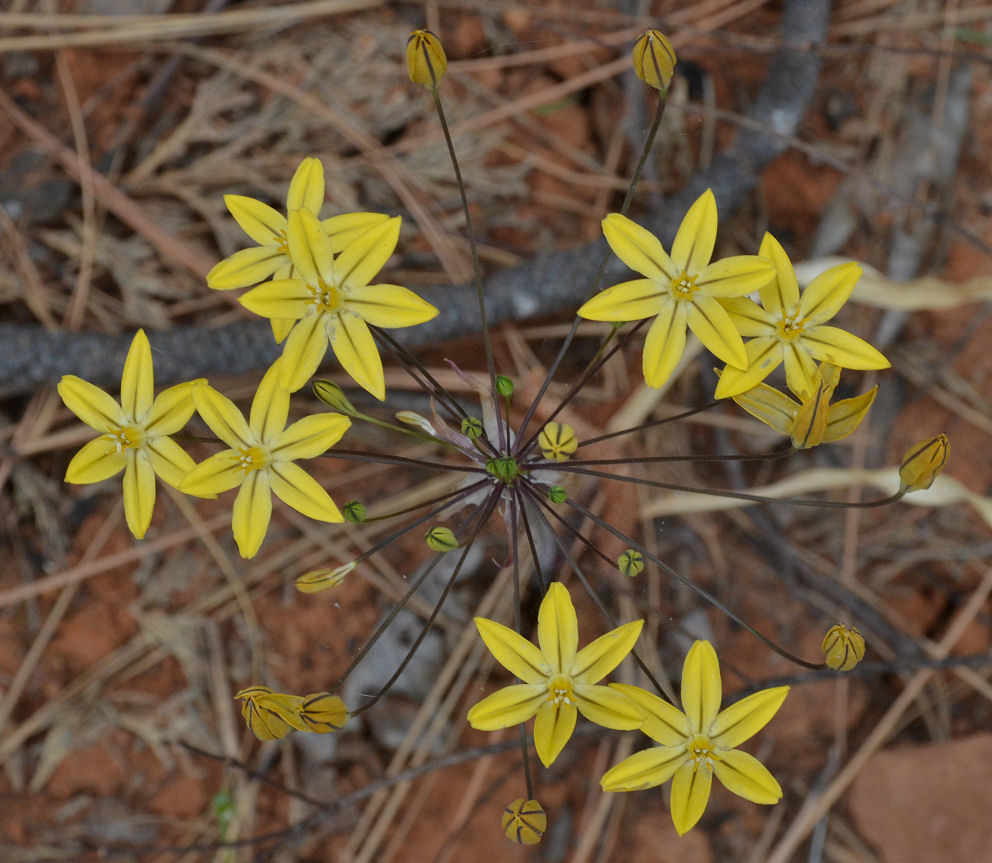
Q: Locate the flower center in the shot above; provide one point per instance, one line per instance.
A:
(253, 458)
(282, 243)
(684, 286)
(560, 689)
(126, 437)
(702, 751)
(325, 297)
(790, 328)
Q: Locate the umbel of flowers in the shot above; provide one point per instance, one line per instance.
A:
(317, 281)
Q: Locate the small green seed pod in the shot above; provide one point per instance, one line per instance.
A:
(843, 647)
(556, 494)
(922, 463)
(441, 539)
(426, 62)
(631, 563)
(472, 428)
(557, 441)
(524, 821)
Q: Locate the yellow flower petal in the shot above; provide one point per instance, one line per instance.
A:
(741, 721)
(388, 306)
(764, 355)
(552, 729)
(663, 722)
(628, 301)
(171, 409)
(281, 327)
(701, 686)
(749, 318)
(639, 249)
(283, 300)
(514, 652)
(511, 705)
(690, 793)
(303, 351)
(645, 769)
(322, 712)
(139, 492)
(223, 417)
(600, 657)
(259, 221)
(310, 249)
(780, 297)
(607, 707)
(343, 230)
(713, 327)
(735, 276)
(137, 382)
(558, 628)
(252, 512)
(269, 407)
(295, 487)
(825, 295)
(246, 267)
(696, 236)
(800, 368)
(839, 347)
(362, 259)
(169, 460)
(306, 189)
(219, 473)
(96, 461)
(309, 437)
(263, 721)
(664, 344)
(91, 404)
(846, 415)
(356, 351)
(746, 777)
(768, 405)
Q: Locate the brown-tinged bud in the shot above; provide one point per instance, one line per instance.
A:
(425, 60)
(843, 647)
(922, 463)
(524, 821)
(654, 59)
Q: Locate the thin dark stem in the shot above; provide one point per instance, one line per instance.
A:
(441, 498)
(543, 582)
(665, 459)
(515, 504)
(594, 285)
(674, 418)
(415, 463)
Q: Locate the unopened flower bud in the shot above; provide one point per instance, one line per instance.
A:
(412, 418)
(504, 386)
(425, 60)
(354, 512)
(922, 463)
(333, 396)
(472, 428)
(843, 647)
(322, 712)
(631, 563)
(323, 579)
(557, 441)
(524, 821)
(556, 494)
(654, 59)
(441, 539)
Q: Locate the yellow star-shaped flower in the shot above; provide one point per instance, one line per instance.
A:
(261, 458)
(331, 300)
(700, 742)
(678, 291)
(135, 433)
(559, 680)
(789, 327)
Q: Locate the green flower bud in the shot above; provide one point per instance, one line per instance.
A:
(333, 396)
(631, 563)
(441, 539)
(472, 428)
(504, 386)
(354, 512)
(556, 494)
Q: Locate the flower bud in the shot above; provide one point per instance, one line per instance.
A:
(557, 441)
(654, 59)
(269, 715)
(810, 425)
(412, 418)
(333, 396)
(425, 60)
(556, 494)
(354, 512)
(631, 563)
(441, 539)
(324, 579)
(922, 463)
(524, 821)
(843, 647)
(472, 428)
(323, 712)
(504, 386)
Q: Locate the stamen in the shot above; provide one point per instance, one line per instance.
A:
(126, 437)
(684, 286)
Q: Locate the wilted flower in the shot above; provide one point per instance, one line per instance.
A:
(654, 59)
(843, 647)
(323, 579)
(426, 62)
(524, 821)
(922, 463)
